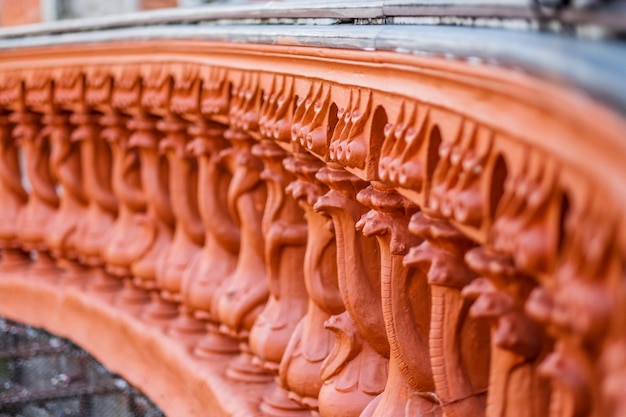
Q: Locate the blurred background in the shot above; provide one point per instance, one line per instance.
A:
(19, 12)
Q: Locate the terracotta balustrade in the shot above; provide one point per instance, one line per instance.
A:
(255, 229)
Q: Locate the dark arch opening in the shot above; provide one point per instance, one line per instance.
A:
(44, 375)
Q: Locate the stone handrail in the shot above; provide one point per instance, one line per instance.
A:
(255, 229)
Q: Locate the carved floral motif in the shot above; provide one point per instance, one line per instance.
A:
(312, 119)
(457, 190)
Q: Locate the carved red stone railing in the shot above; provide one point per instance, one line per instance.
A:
(244, 229)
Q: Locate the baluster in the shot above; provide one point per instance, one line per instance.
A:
(189, 231)
(158, 221)
(45, 95)
(285, 242)
(13, 197)
(241, 299)
(356, 370)
(131, 235)
(521, 242)
(406, 304)
(152, 105)
(69, 99)
(216, 263)
(459, 359)
(185, 254)
(576, 304)
(129, 239)
(42, 198)
(65, 162)
(311, 343)
(96, 227)
(517, 342)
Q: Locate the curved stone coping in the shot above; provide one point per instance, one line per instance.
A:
(154, 362)
(609, 15)
(331, 9)
(595, 67)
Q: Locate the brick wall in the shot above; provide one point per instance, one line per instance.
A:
(157, 4)
(20, 12)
